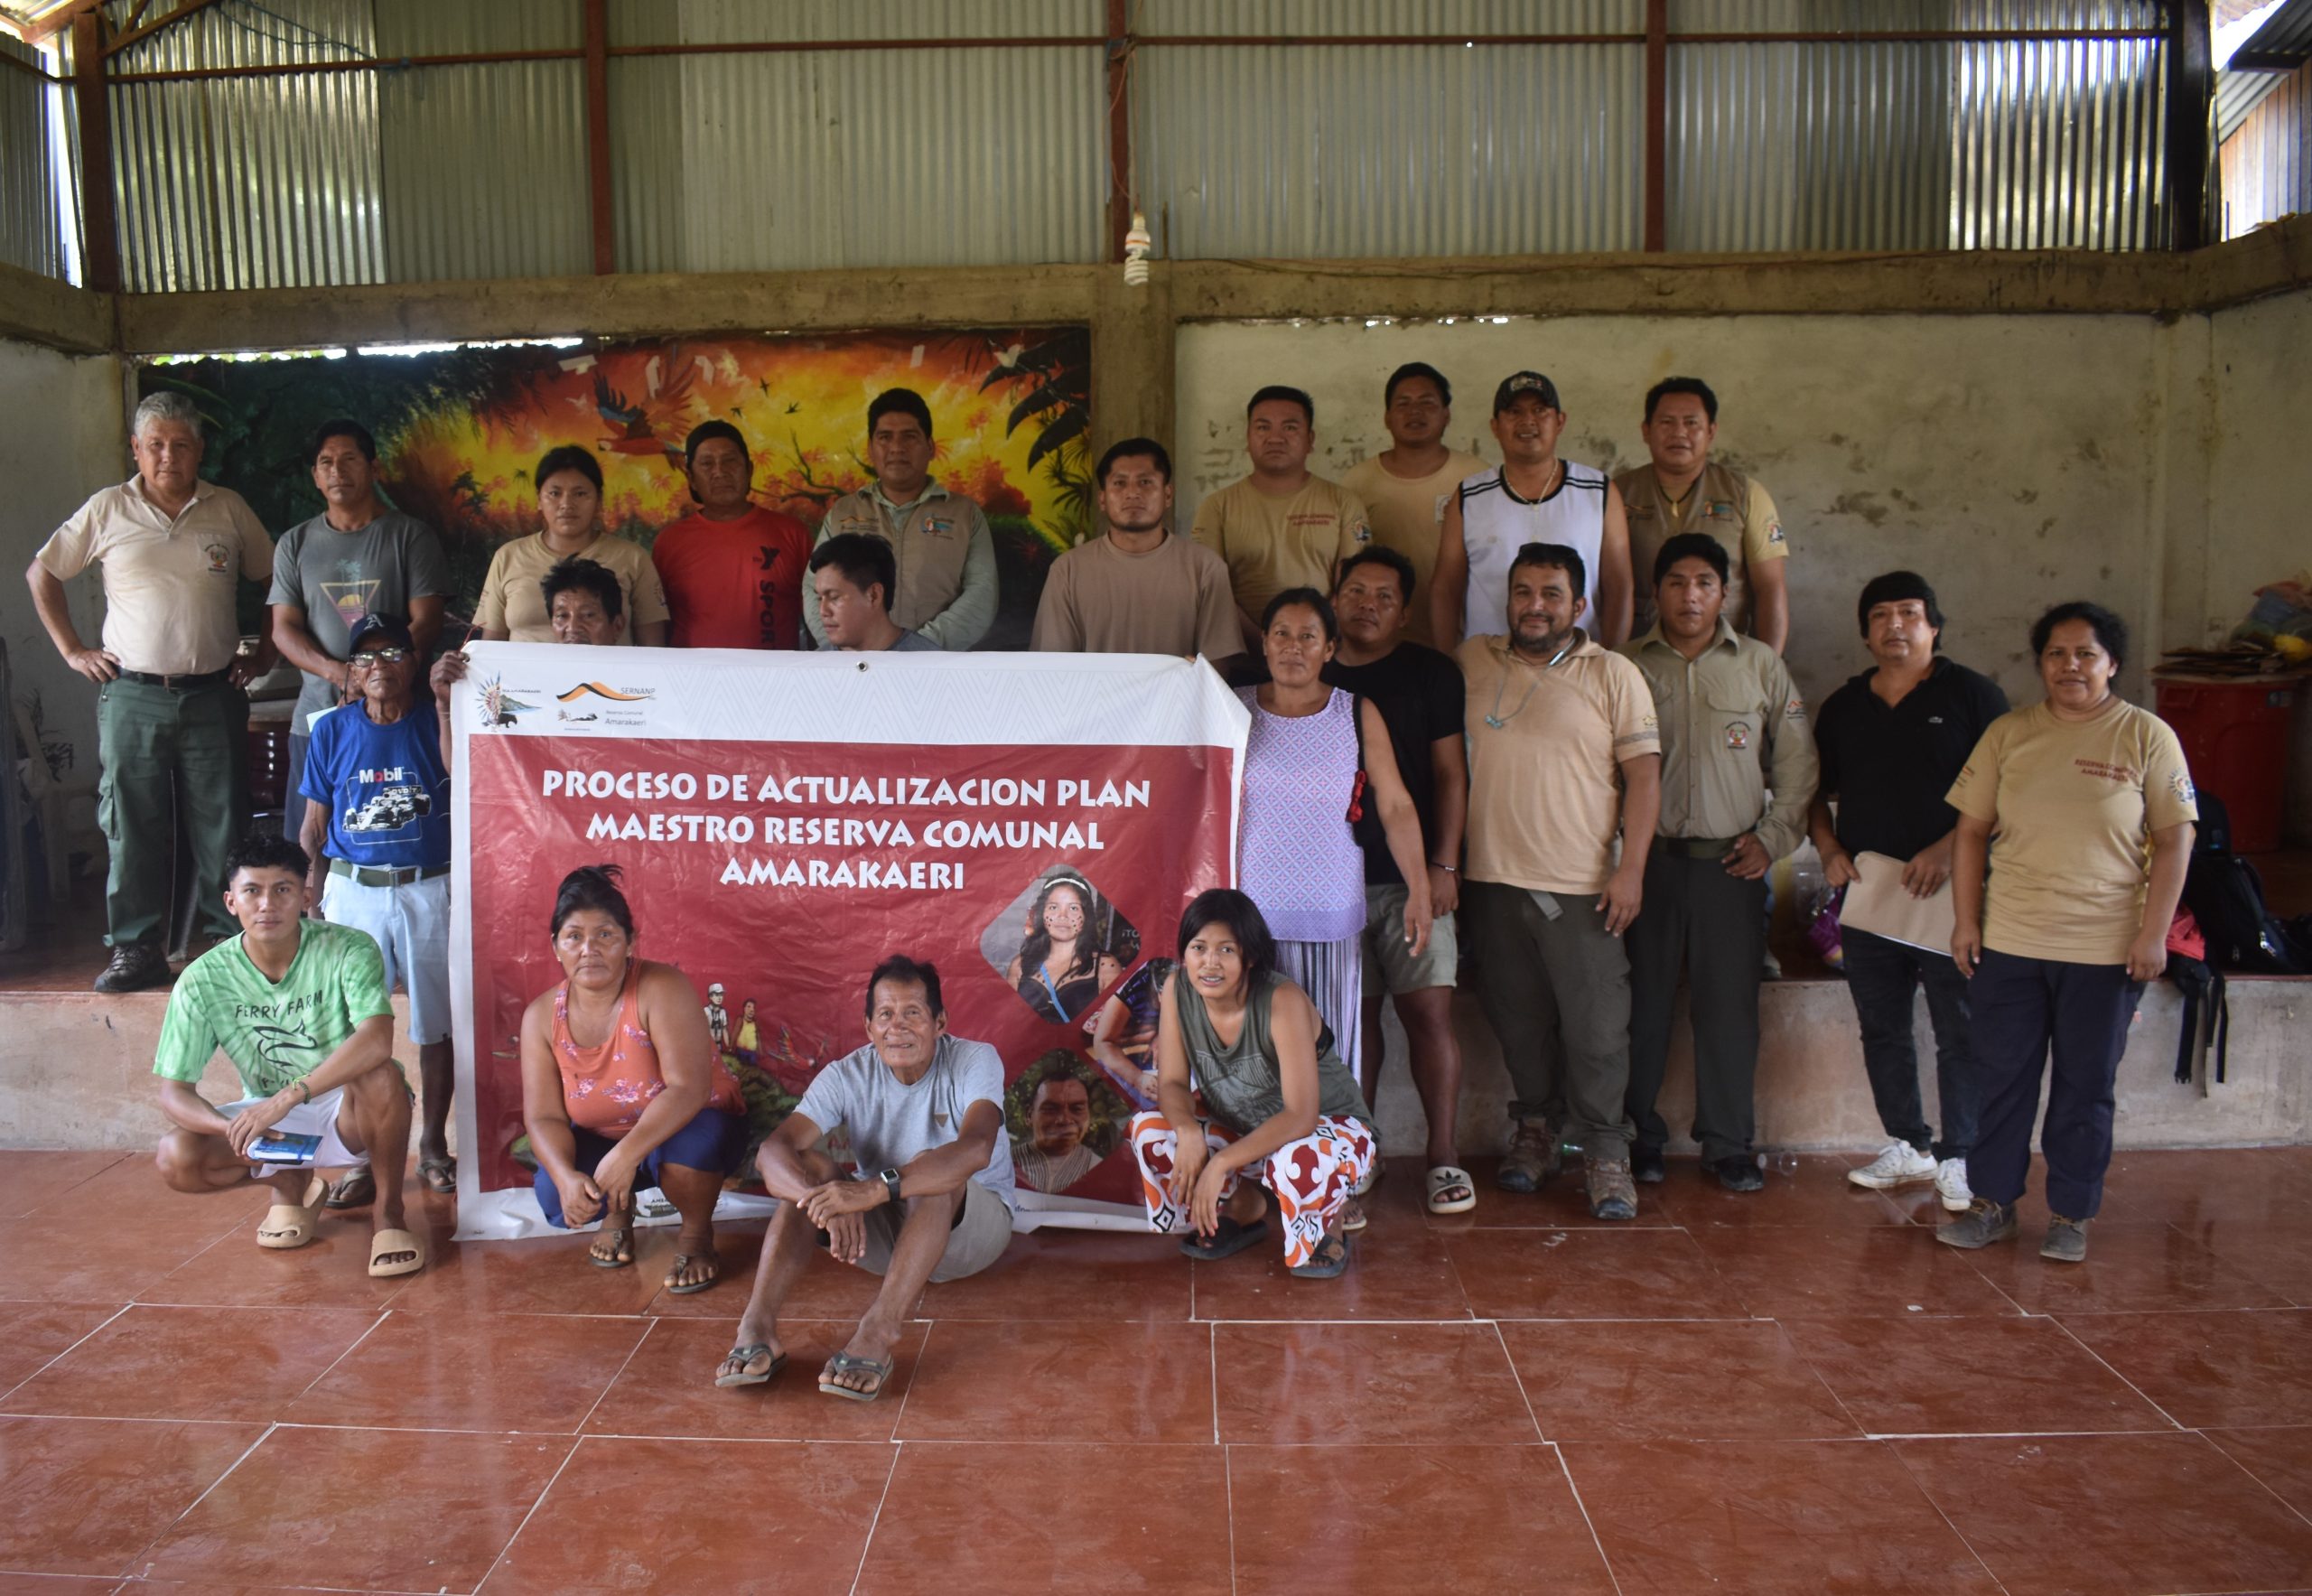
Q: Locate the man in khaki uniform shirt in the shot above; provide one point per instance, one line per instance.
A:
(1563, 753)
(1405, 487)
(1281, 527)
(1139, 588)
(1682, 490)
(173, 722)
(1732, 726)
(945, 554)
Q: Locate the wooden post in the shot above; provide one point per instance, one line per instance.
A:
(1657, 124)
(2191, 90)
(598, 137)
(100, 231)
(1119, 125)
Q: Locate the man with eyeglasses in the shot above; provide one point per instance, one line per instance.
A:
(377, 827)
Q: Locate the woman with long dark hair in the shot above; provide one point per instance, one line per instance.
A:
(1062, 964)
(570, 509)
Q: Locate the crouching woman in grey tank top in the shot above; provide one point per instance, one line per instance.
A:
(1282, 1122)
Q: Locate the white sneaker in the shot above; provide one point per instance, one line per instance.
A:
(1901, 1164)
(1951, 1185)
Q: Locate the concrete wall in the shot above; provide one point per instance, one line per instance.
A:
(2014, 459)
(66, 438)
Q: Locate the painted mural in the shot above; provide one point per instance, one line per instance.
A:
(459, 429)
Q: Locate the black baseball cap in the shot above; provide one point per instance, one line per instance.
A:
(1525, 382)
(391, 628)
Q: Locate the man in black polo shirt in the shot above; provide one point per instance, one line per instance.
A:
(1420, 695)
(1892, 741)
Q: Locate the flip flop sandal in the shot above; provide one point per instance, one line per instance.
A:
(683, 1259)
(394, 1241)
(440, 1175)
(357, 1189)
(1446, 1179)
(1230, 1238)
(287, 1227)
(625, 1246)
(1328, 1261)
(1353, 1216)
(845, 1363)
(744, 1355)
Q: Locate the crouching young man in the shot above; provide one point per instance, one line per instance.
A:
(301, 1008)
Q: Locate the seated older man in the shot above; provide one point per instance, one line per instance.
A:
(300, 1006)
(932, 1199)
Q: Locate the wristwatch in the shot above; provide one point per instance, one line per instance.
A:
(890, 1179)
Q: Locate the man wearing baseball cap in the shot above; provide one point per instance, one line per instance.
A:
(1532, 498)
(377, 826)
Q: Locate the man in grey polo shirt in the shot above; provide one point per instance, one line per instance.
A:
(923, 1112)
(172, 721)
(357, 558)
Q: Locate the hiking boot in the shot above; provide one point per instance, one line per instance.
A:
(2067, 1241)
(1951, 1185)
(1901, 1164)
(1532, 1159)
(1737, 1173)
(1646, 1166)
(1984, 1223)
(133, 967)
(1613, 1195)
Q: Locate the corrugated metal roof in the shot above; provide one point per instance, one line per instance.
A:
(2267, 159)
(2285, 37)
(1333, 19)
(31, 216)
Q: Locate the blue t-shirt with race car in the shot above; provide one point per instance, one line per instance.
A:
(386, 787)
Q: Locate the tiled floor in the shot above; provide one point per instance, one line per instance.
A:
(1795, 1392)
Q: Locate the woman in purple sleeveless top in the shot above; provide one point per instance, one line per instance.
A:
(1297, 854)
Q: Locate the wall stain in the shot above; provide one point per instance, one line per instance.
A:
(1865, 505)
(2027, 495)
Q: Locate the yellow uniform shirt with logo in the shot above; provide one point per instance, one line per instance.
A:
(1270, 543)
(171, 582)
(1546, 745)
(1733, 726)
(1408, 515)
(1729, 506)
(2073, 805)
(512, 598)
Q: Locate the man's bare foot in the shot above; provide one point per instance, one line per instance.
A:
(869, 1346)
(749, 1363)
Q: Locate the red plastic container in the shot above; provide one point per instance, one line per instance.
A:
(2235, 735)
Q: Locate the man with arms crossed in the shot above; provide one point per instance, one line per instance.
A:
(300, 1007)
(1564, 754)
(1419, 693)
(924, 1112)
(1406, 487)
(1892, 741)
(1139, 588)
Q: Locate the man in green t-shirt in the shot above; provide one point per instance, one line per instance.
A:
(302, 1009)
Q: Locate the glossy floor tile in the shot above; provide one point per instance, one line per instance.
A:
(1799, 1391)
(2142, 1514)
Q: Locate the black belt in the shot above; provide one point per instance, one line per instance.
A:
(176, 684)
(1695, 847)
(378, 876)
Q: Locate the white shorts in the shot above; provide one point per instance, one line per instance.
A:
(316, 1119)
(411, 926)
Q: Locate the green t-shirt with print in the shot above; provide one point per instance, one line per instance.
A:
(275, 1032)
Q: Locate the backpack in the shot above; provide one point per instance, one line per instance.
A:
(2226, 897)
(2207, 1010)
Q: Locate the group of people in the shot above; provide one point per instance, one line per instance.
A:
(1523, 723)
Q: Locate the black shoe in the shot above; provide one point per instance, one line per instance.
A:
(1739, 1173)
(133, 967)
(1646, 1166)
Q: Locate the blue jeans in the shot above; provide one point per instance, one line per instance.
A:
(2027, 1012)
(1883, 977)
(713, 1140)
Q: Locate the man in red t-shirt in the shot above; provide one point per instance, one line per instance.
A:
(733, 571)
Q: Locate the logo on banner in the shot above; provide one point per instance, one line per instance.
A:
(592, 701)
(499, 707)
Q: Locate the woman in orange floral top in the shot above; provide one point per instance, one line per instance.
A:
(621, 1087)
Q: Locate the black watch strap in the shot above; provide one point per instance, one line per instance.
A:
(890, 1179)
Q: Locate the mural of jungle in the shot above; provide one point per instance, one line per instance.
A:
(459, 429)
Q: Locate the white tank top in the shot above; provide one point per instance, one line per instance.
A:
(1495, 523)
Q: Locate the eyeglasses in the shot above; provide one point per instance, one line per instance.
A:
(381, 657)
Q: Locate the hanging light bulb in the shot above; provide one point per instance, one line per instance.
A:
(1136, 246)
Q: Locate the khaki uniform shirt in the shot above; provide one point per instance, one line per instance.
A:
(1546, 748)
(1172, 600)
(1408, 515)
(1271, 544)
(512, 598)
(171, 582)
(945, 556)
(2075, 803)
(1730, 507)
(1733, 725)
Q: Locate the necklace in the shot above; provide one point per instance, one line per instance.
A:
(1497, 720)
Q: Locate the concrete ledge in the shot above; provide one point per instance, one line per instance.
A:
(78, 1073)
(57, 315)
